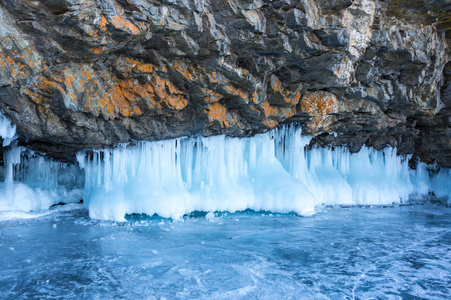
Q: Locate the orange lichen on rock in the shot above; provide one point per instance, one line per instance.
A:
(211, 96)
(137, 66)
(49, 86)
(255, 109)
(118, 21)
(74, 81)
(134, 91)
(43, 87)
(103, 93)
(130, 65)
(113, 97)
(115, 101)
(14, 66)
(184, 70)
(275, 114)
(230, 89)
(276, 85)
(97, 50)
(293, 99)
(320, 106)
(217, 112)
(216, 78)
(269, 110)
(226, 87)
(121, 23)
(131, 27)
(34, 96)
(254, 97)
(176, 102)
(270, 123)
(170, 95)
(103, 23)
(286, 112)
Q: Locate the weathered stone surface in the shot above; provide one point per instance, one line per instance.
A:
(86, 74)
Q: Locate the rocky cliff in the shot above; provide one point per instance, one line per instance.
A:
(80, 74)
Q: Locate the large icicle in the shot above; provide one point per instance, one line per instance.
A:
(271, 171)
(7, 130)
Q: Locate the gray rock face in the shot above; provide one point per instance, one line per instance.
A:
(80, 74)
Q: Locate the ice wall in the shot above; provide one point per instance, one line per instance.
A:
(174, 177)
(335, 176)
(271, 171)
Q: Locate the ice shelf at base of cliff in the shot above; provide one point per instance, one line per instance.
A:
(271, 172)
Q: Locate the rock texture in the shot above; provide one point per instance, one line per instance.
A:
(87, 74)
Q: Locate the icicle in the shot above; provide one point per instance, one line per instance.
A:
(271, 171)
(176, 177)
(35, 183)
(12, 158)
(32, 182)
(441, 184)
(7, 130)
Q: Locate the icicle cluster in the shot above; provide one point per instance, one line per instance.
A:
(34, 183)
(271, 171)
(31, 182)
(174, 177)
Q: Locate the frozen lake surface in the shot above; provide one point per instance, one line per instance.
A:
(341, 253)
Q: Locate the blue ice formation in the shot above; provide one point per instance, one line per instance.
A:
(32, 182)
(271, 171)
(7, 130)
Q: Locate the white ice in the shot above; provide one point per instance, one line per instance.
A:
(334, 176)
(31, 182)
(174, 177)
(7, 130)
(34, 183)
(270, 171)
